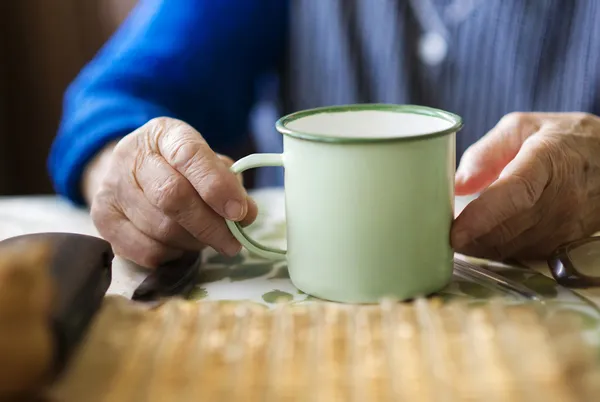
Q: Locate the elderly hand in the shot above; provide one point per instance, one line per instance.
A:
(166, 191)
(540, 176)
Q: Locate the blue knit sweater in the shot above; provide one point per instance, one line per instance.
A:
(199, 61)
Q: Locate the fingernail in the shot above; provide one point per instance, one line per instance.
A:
(235, 210)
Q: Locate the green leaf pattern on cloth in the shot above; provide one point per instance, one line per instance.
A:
(198, 293)
(543, 285)
(275, 296)
(476, 290)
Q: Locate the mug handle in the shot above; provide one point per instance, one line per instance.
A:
(251, 162)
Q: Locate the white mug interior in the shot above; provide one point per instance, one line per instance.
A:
(371, 124)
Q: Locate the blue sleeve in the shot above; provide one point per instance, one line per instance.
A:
(195, 60)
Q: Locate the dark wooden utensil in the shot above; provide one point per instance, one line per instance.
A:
(176, 277)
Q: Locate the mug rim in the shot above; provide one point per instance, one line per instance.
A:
(281, 124)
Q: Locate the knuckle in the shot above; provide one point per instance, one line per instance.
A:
(213, 187)
(207, 232)
(583, 122)
(515, 119)
(227, 160)
(165, 229)
(552, 151)
(550, 140)
(527, 193)
(151, 133)
(549, 148)
(128, 157)
(519, 124)
(143, 137)
(583, 116)
(178, 137)
(161, 121)
(170, 196)
(157, 126)
(187, 155)
(211, 233)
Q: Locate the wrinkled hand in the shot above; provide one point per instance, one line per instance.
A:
(540, 176)
(166, 191)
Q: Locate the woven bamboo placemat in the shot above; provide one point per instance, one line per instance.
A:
(421, 351)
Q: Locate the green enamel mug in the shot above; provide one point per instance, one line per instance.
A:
(369, 200)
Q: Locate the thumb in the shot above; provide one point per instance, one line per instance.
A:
(483, 161)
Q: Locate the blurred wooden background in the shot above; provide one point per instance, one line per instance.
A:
(43, 45)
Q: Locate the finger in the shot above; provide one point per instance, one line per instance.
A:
(229, 163)
(542, 239)
(518, 188)
(129, 242)
(483, 161)
(252, 207)
(135, 246)
(152, 222)
(226, 160)
(505, 239)
(252, 213)
(531, 244)
(186, 151)
(171, 193)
